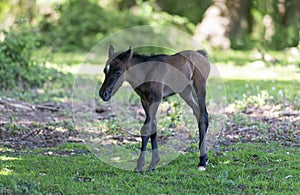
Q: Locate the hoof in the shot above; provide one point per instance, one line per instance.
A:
(201, 168)
(203, 163)
(138, 171)
(150, 169)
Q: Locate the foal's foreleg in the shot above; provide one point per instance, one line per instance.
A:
(155, 154)
(141, 160)
(149, 130)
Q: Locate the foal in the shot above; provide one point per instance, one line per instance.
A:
(152, 84)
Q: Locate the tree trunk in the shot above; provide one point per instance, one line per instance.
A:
(222, 21)
(289, 11)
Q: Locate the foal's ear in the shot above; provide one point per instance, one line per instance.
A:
(126, 55)
(110, 51)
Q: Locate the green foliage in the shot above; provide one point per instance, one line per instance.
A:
(146, 10)
(18, 68)
(286, 25)
(192, 9)
(175, 113)
(81, 24)
(259, 100)
(285, 36)
(4, 6)
(282, 25)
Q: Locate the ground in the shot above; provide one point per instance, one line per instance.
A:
(27, 125)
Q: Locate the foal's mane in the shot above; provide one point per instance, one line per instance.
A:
(156, 57)
(145, 58)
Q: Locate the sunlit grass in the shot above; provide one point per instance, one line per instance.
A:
(280, 90)
(5, 172)
(250, 72)
(242, 58)
(5, 158)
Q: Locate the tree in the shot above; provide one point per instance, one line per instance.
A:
(223, 20)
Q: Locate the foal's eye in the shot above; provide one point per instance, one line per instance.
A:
(119, 72)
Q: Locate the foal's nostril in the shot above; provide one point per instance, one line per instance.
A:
(105, 95)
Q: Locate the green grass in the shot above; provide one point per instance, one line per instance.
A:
(278, 89)
(242, 58)
(238, 169)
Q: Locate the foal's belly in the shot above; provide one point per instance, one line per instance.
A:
(146, 90)
(167, 92)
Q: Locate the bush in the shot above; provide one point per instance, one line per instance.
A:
(147, 11)
(17, 66)
(80, 24)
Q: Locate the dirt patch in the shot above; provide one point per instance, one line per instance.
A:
(280, 123)
(25, 125)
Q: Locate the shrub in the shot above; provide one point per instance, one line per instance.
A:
(259, 100)
(146, 10)
(17, 66)
(80, 24)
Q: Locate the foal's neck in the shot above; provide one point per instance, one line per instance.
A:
(135, 59)
(137, 74)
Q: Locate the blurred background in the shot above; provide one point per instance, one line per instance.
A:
(68, 26)
(228, 24)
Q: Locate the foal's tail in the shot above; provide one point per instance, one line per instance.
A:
(202, 52)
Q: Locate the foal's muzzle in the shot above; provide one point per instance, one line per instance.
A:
(105, 95)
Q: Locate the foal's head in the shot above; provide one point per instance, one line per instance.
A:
(115, 66)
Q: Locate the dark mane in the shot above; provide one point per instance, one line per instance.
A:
(157, 57)
(151, 57)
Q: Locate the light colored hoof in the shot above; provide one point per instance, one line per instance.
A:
(201, 168)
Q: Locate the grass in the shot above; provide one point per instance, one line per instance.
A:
(256, 168)
(238, 169)
(242, 58)
(278, 89)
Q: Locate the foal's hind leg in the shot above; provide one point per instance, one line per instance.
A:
(200, 88)
(191, 99)
(189, 96)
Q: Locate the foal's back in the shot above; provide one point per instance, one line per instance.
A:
(190, 63)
